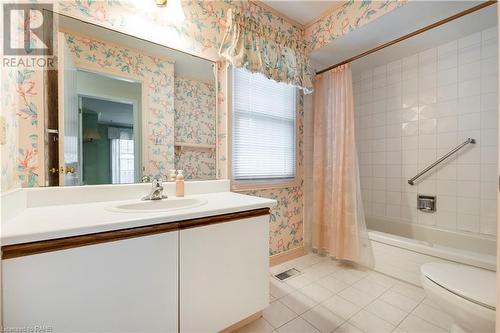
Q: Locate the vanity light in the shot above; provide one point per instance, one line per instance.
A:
(161, 3)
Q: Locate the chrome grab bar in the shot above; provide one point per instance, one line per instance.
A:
(460, 146)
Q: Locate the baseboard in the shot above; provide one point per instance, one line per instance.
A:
(242, 323)
(285, 256)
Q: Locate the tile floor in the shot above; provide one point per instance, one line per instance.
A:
(331, 297)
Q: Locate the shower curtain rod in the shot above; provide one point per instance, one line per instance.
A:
(411, 34)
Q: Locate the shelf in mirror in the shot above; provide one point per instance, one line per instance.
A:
(180, 146)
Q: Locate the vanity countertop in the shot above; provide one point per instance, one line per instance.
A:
(51, 222)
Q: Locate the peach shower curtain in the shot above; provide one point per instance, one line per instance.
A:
(338, 222)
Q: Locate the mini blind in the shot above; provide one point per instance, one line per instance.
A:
(263, 128)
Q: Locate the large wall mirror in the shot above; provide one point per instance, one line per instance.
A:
(121, 109)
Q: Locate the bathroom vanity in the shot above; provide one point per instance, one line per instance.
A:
(75, 266)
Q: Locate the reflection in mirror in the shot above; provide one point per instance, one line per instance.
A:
(127, 109)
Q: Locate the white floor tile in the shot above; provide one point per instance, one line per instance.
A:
(410, 291)
(387, 312)
(399, 330)
(433, 315)
(323, 319)
(281, 267)
(332, 297)
(428, 302)
(356, 296)
(413, 324)
(316, 292)
(258, 326)
(370, 287)
(349, 276)
(341, 307)
(348, 328)
(316, 272)
(381, 279)
(332, 284)
(306, 261)
(298, 302)
(370, 323)
(277, 314)
(404, 303)
(278, 288)
(327, 266)
(298, 325)
(298, 282)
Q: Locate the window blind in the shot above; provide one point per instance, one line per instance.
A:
(263, 128)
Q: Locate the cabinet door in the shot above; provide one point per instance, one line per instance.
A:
(123, 286)
(224, 273)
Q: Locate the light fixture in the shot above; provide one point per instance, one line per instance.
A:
(91, 135)
(161, 3)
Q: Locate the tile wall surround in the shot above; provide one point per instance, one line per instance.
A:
(410, 112)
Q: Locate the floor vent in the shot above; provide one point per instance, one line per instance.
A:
(287, 274)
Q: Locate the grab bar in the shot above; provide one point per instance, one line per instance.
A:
(421, 173)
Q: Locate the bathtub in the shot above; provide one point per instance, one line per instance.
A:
(399, 249)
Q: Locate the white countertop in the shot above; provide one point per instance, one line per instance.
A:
(50, 222)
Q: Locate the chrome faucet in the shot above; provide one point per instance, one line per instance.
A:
(156, 190)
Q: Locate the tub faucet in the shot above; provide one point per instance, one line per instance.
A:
(156, 190)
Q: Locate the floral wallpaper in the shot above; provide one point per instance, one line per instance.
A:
(348, 17)
(198, 164)
(21, 155)
(201, 34)
(195, 122)
(194, 105)
(157, 77)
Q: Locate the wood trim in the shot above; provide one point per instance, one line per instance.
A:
(204, 221)
(242, 187)
(26, 249)
(411, 34)
(242, 323)
(286, 256)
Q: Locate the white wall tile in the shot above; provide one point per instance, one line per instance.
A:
(469, 40)
(447, 92)
(414, 110)
(469, 104)
(447, 76)
(469, 54)
(468, 222)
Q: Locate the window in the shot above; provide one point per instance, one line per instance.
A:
(122, 161)
(263, 128)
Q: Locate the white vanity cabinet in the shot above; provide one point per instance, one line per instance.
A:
(128, 285)
(224, 273)
(198, 275)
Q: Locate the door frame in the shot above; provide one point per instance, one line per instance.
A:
(136, 129)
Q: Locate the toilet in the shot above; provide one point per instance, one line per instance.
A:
(466, 293)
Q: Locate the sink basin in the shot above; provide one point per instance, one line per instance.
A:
(157, 206)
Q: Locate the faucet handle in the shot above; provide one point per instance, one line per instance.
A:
(157, 181)
(146, 178)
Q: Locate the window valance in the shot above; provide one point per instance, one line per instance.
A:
(260, 48)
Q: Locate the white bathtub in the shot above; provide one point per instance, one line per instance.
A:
(399, 249)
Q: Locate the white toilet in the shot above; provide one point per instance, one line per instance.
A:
(466, 293)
